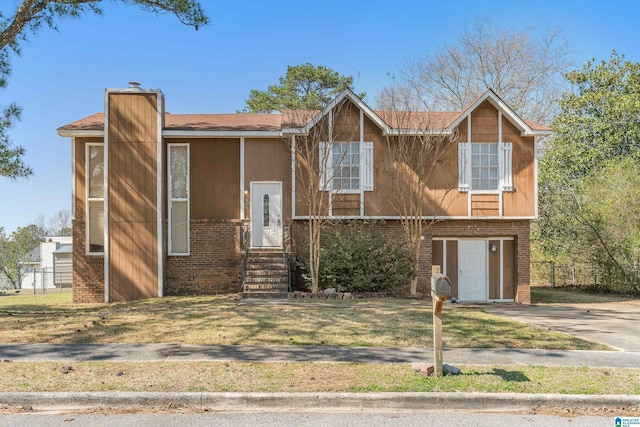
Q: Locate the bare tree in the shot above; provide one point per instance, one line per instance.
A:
(419, 179)
(60, 223)
(524, 70)
(317, 167)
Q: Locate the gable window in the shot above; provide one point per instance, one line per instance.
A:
(94, 166)
(178, 159)
(484, 166)
(346, 167)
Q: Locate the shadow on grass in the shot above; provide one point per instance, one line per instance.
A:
(222, 320)
(511, 376)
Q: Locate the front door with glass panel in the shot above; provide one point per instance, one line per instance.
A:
(266, 214)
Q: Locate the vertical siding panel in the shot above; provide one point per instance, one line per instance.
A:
(509, 269)
(114, 273)
(452, 265)
(80, 180)
(494, 270)
(436, 257)
(132, 193)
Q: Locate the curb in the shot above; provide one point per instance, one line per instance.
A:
(314, 401)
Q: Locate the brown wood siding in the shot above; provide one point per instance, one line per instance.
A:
(484, 123)
(436, 255)
(509, 269)
(215, 178)
(346, 126)
(379, 201)
(442, 197)
(452, 266)
(302, 180)
(132, 194)
(485, 205)
(268, 160)
(494, 270)
(520, 201)
(345, 204)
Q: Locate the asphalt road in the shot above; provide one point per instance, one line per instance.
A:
(323, 419)
(614, 324)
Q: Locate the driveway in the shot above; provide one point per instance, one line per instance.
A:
(614, 324)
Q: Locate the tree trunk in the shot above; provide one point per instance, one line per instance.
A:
(314, 253)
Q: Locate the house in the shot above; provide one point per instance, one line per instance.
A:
(175, 204)
(48, 265)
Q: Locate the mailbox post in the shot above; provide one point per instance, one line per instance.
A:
(440, 290)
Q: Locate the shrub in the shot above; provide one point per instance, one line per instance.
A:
(356, 257)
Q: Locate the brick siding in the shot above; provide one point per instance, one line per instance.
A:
(214, 264)
(392, 229)
(88, 270)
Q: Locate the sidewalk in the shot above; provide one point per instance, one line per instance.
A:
(243, 353)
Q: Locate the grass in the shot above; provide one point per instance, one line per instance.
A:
(309, 377)
(566, 295)
(224, 321)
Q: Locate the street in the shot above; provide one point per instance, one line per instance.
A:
(306, 418)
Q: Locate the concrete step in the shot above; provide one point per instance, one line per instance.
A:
(265, 287)
(265, 260)
(265, 280)
(266, 273)
(260, 266)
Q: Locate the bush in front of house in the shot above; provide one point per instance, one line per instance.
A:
(357, 257)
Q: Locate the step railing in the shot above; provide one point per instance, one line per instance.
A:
(245, 236)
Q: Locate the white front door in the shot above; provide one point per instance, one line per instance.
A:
(266, 214)
(472, 270)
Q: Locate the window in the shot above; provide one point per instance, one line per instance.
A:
(178, 159)
(484, 166)
(265, 211)
(346, 166)
(94, 161)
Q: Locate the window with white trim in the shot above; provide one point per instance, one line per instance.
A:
(178, 176)
(484, 166)
(346, 167)
(94, 166)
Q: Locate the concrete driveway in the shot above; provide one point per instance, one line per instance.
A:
(614, 324)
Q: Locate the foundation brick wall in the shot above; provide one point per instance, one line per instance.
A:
(454, 228)
(88, 270)
(214, 264)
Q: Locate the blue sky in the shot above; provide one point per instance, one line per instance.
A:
(61, 76)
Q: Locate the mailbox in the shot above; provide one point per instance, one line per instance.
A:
(440, 285)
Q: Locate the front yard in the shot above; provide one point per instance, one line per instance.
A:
(224, 321)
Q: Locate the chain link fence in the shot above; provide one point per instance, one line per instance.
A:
(44, 279)
(550, 273)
